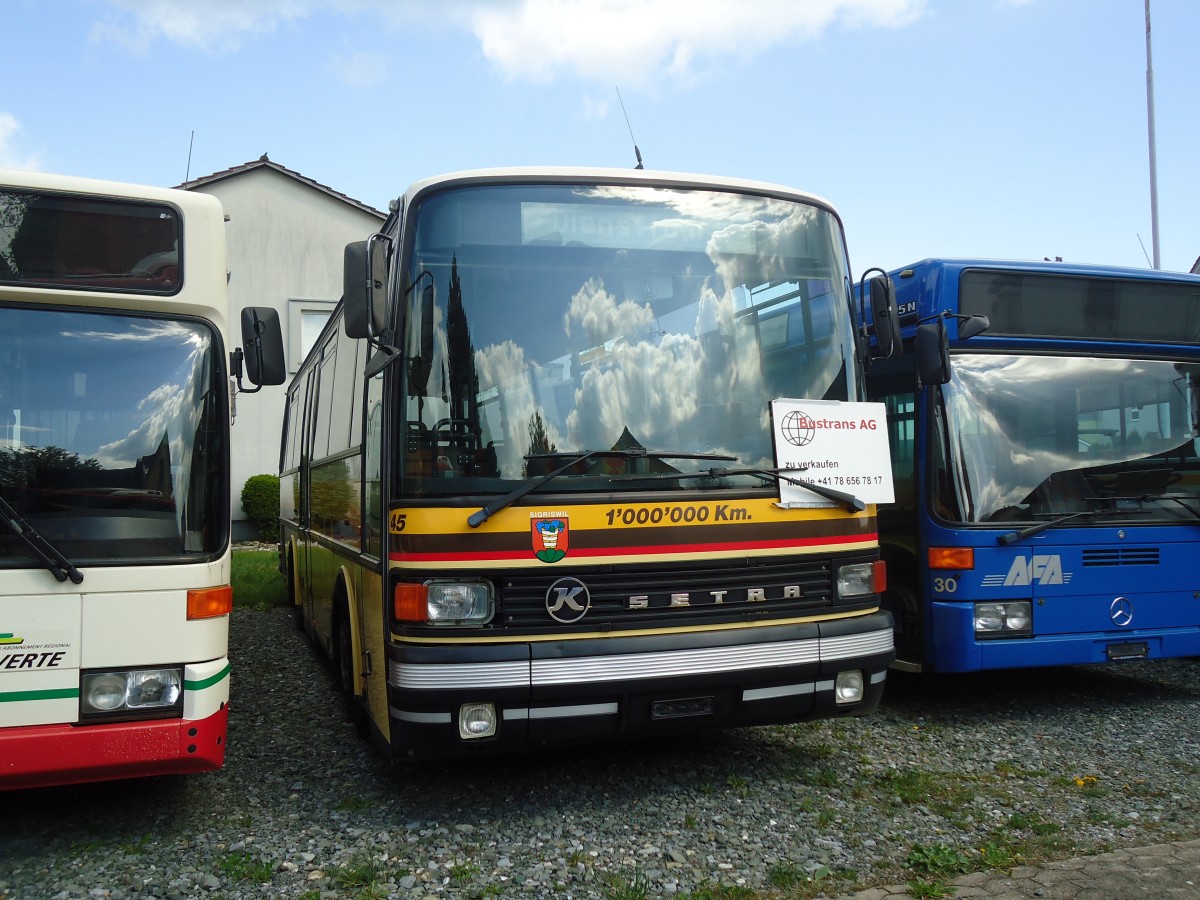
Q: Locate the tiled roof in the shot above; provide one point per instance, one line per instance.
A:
(263, 163)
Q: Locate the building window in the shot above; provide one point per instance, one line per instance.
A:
(306, 318)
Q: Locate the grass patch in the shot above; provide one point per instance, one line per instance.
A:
(257, 583)
(241, 866)
(363, 877)
(626, 887)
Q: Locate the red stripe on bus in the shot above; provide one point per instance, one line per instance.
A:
(635, 550)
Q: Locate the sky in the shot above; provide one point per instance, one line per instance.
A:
(979, 128)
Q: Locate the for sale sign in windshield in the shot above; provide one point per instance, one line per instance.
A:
(833, 445)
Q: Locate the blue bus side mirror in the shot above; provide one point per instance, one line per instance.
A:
(973, 325)
(933, 353)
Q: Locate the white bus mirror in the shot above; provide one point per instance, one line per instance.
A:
(262, 348)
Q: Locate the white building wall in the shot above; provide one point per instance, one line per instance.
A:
(285, 241)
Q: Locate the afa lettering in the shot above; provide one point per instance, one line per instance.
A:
(1040, 569)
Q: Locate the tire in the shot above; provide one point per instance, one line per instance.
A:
(344, 666)
(297, 608)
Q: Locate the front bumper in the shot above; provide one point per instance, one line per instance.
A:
(571, 691)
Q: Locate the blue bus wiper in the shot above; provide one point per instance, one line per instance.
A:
(1011, 537)
(849, 501)
(46, 553)
(1146, 498)
(481, 515)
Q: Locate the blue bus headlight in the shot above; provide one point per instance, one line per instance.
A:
(1009, 618)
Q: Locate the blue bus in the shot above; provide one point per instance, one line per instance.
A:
(1043, 424)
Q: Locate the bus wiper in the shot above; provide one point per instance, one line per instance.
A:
(852, 503)
(1011, 537)
(481, 515)
(1179, 500)
(632, 453)
(45, 552)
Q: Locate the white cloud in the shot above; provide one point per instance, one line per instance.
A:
(636, 43)
(11, 155)
(207, 24)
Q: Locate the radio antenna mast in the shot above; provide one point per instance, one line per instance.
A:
(191, 141)
(636, 151)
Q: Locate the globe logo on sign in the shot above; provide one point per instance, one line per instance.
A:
(797, 428)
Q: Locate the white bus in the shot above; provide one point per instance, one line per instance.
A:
(568, 463)
(114, 479)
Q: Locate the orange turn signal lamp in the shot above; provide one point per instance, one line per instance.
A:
(952, 558)
(411, 602)
(208, 603)
(880, 576)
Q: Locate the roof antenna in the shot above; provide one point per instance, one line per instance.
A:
(188, 173)
(1144, 253)
(636, 151)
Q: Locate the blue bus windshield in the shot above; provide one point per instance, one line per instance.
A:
(1029, 437)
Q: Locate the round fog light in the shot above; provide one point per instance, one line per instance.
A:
(105, 693)
(849, 687)
(476, 720)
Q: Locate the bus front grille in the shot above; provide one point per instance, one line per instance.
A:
(660, 595)
(1121, 556)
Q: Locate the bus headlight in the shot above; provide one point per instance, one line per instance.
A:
(476, 720)
(132, 694)
(849, 686)
(104, 693)
(861, 579)
(445, 602)
(1010, 618)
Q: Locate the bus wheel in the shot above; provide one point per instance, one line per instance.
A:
(901, 601)
(297, 609)
(345, 670)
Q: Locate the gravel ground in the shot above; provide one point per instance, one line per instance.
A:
(977, 772)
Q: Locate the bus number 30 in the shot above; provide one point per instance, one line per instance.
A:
(945, 585)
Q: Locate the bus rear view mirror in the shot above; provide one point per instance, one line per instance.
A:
(933, 353)
(262, 345)
(354, 289)
(364, 287)
(885, 317)
(973, 325)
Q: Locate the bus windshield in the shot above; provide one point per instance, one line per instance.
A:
(546, 321)
(1036, 437)
(111, 436)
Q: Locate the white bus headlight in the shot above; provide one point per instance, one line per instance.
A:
(156, 687)
(1009, 618)
(104, 693)
(132, 694)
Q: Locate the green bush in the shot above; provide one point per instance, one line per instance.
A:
(260, 501)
